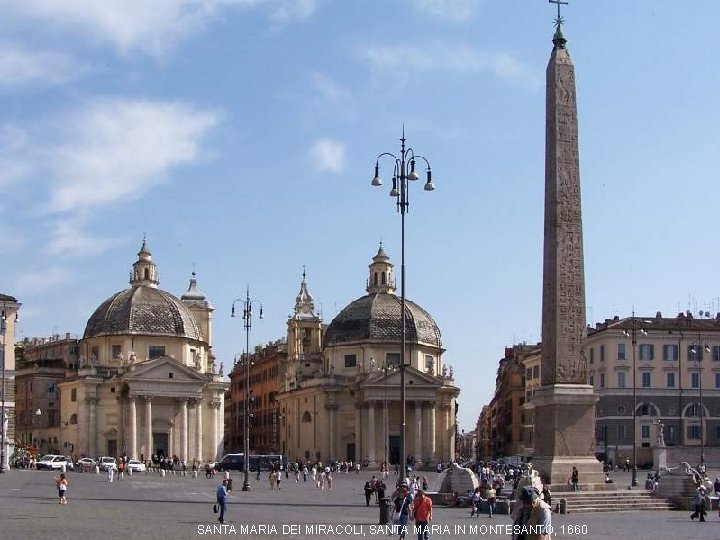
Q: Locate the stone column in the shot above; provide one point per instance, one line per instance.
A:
(92, 425)
(386, 434)
(183, 429)
(133, 427)
(418, 434)
(331, 431)
(371, 432)
(358, 431)
(148, 426)
(215, 416)
(431, 432)
(198, 430)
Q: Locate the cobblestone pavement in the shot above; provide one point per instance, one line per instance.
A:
(148, 507)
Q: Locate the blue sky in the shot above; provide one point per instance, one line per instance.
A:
(241, 135)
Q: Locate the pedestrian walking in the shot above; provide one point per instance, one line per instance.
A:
(699, 504)
(111, 473)
(422, 512)
(490, 495)
(221, 504)
(62, 484)
(574, 479)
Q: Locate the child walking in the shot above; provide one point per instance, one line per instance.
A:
(62, 485)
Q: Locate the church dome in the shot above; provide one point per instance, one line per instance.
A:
(143, 308)
(376, 317)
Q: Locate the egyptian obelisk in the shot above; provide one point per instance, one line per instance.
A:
(565, 405)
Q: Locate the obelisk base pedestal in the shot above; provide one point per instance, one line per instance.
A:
(564, 436)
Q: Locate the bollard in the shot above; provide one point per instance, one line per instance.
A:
(384, 511)
(162, 473)
(563, 506)
(194, 474)
(130, 471)
(97, 469)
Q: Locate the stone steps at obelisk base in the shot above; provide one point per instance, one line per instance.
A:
(612, 501)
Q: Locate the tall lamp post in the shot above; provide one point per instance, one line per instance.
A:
(400, 185)
(632, 334)
(696, 351)
(247, 324)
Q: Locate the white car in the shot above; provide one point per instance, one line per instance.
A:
(86, 463)
(135, 466)
(106, 463)
(50, 462)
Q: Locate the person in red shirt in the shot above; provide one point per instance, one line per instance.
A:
(422, 510)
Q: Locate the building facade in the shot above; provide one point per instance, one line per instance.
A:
(146, 383)
(9, 316)
(666, 370)
(264, 412)
(340, 386)
(41, 367)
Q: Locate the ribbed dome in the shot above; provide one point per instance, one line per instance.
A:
(143, 310)
(376, 317)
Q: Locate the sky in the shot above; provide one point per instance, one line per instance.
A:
(241, 136)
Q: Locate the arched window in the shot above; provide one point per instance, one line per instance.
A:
(383, 278)
(147, 273)
(375, 278)
(73, 419)
(306, 417)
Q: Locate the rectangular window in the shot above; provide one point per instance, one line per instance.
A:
(670, 380)
(695, 352)
(670, 353)
(621, 379)
(429, 362)
(116, 351)
(592, 380)
(621, 351)
(647, 351)
(350, 360)
(716, 353)
(528, 374)
(592, 355)
(621, 432)
(693, 432)
(671, 433)
(602, 380)
(695, 380)
(646, 379)
(602, 353)
(645, 432)
(156, 351)
(536, 372)
(73, 394)
(717, 380)
(392, 359)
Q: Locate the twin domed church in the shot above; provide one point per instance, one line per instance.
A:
(147, 383)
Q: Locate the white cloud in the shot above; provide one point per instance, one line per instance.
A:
(117, 149)
(328, 155)
(149, 25)
(33, 282)
(460, 58)
(20, 66)
(13, 163)
(454, 10)
(69, 238)
(288, 10)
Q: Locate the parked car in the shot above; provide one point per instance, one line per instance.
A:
(106, 463)
(86, 463)
(135, 466)
(55, 462)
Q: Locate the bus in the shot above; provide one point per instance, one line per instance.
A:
(236, 462)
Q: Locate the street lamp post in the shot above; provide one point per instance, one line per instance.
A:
(632, 333)
(3, 423)
(697, 355)
(400, 185)
(247, 324)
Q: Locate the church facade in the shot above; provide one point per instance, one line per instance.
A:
(339, 394)
(146, 383)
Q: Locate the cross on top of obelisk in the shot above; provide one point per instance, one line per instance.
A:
(558, 39)
(559, 20)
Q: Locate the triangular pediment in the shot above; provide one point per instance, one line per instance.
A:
(412, 376)
(165, 369)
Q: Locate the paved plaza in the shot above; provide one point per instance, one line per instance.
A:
(146, 506)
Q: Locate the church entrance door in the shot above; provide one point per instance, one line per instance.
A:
(160, 444)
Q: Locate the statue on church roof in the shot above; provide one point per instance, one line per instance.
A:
(222, 369)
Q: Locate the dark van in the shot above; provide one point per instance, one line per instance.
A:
(231, 462)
